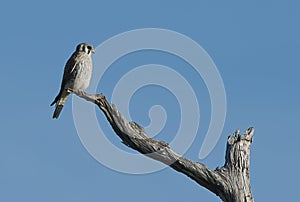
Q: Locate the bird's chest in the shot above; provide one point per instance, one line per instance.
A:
(82, 75)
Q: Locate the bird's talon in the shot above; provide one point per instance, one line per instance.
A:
(80, 92)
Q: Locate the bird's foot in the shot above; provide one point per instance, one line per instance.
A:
(80, 92)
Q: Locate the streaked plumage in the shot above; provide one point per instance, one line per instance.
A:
(77, 75)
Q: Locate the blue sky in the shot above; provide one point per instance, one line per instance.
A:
(255, 46)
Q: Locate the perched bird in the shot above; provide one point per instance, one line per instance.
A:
(77, 75)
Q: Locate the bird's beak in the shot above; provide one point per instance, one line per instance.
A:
(93, 51)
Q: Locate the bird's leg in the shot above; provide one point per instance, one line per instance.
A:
(78, 92)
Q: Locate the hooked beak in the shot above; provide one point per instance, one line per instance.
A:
(93, 51)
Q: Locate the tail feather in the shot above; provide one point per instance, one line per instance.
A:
(60, 100)
(57, 111)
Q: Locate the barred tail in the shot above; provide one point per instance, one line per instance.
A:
(60, 100)
(57, 111)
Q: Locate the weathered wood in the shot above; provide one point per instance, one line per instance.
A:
(231, 182)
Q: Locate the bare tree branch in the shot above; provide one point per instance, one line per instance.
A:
(230, 182)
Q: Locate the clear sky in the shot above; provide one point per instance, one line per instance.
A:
(254, 45)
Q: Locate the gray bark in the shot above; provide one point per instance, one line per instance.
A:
(230, 182)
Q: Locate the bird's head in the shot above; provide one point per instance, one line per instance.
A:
(85, 47)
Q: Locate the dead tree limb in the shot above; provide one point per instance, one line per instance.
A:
(231, 182)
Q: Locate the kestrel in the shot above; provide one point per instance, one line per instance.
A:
(77, 75)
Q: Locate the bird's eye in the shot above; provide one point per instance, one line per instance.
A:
(88, 49)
